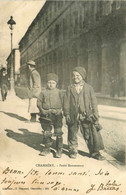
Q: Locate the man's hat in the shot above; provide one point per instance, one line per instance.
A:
(81, 71)
(52, 76)
(31, 62)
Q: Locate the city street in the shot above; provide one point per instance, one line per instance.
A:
(21, 143)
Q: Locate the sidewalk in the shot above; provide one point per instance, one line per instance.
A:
(14, 111)
(115, 113)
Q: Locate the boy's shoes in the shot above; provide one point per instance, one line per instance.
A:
(58, 153)
(72, 154)
(45, 152)
(98, 156)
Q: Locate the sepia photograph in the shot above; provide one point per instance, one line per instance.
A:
(62, 97)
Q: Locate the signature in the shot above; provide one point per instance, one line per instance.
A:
(108, 186)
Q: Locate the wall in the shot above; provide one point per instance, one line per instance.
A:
(66, 34)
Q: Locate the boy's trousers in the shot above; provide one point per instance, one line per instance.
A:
(91, 136)
(47, 126)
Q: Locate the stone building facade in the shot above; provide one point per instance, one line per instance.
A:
(91, 34)
(14, 58)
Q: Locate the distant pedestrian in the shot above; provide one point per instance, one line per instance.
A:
(123, 85)
(50, 105)
(4, 83)
(34, 90)
(80, 109)
(112, 86)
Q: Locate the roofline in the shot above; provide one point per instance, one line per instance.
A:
(33, 22)
(12, 52)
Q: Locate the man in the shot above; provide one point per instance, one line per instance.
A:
(4, 84)
(35, 89)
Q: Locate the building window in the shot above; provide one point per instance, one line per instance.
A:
(118, 4)
(75, 16)
(58, 4)
(99, 10)
(61, 3)
(46, 17)
(74, 49)
(50, 11)
(80, 17)
(80, 21)
(108, 8)
(59, 56)
(92, 11)
(45, 43)
(64, 28)
(50, 58)
(43, 61)
(49, 39)
(57, 32)
(86, 15)
(55, 6)
(54, 58)
(43, 20)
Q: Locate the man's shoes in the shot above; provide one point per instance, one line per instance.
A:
(72, 154)
(45, 152)
(98, 156)
(33, 117)
(32, 120)
(58, 153)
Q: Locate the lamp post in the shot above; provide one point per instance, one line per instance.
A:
(11, 22)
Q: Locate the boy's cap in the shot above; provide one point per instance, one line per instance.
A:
(52, 76)
(31, 62)
(81, 71)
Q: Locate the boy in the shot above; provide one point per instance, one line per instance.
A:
(50, 106)
(80, 108)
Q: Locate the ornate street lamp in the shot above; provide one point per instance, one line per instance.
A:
(11, 24)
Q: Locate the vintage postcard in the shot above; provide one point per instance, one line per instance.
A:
(62, 97)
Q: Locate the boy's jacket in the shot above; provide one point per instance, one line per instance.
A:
(87, 102)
